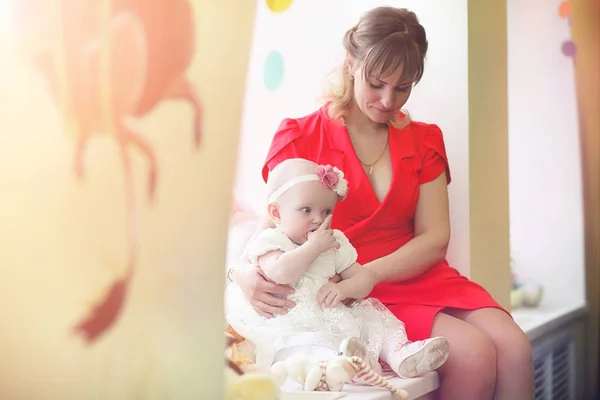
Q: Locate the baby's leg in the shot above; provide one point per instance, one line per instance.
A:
(410, 359)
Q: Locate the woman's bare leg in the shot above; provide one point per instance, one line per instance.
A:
(514, 362)
(470, 371)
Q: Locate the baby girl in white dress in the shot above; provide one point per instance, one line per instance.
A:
(302, 251)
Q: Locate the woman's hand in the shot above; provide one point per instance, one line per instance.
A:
(261, 292)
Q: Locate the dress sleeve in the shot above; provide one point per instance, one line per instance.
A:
(346, 255)
(267, 241)
(433, 154)
(286, 144)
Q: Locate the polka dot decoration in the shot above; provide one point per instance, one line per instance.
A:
(564, 11)
(273, 70)
(274, 66)
(568, 48)
(278, 6)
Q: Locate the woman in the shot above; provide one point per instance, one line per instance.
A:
(396, 214)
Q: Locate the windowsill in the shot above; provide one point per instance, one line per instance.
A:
(535, 322)
(541, 320)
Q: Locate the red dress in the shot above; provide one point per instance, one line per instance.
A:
(418, 156)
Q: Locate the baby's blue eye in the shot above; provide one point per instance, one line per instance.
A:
(305, 210)
(327, 212)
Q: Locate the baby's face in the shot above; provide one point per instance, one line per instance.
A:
(303, 208)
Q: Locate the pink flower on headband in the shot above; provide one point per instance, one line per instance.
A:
(332, 178)
(327, 176)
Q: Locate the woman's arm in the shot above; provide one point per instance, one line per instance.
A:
(432, 234)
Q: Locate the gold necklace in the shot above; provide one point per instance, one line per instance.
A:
(372, 166)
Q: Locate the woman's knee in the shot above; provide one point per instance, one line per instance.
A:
(513, 348)
(512, 345)
(472, 355)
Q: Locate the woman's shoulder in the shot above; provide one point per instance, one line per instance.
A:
(421, 128)
(300, 137)
(422, 133)
(428, 144)
(307, 126)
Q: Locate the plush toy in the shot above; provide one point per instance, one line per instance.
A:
(247, 386)
(317, 374)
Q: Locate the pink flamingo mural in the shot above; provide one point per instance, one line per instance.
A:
(115, 61)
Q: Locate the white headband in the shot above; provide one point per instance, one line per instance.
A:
(330, 177)
(292, 182)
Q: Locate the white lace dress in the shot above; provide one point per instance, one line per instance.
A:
(306, 324)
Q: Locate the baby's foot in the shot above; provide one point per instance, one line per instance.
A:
(416, 358)
(355, 347)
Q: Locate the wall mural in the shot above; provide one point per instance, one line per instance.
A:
(118, 59)
(119, 124)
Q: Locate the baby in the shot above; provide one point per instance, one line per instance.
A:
(304, 252)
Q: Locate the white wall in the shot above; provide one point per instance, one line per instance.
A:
(309, 37)
(546, 207)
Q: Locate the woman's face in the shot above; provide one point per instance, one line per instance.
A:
(381, 98)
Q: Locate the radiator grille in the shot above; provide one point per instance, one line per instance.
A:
(554, 371)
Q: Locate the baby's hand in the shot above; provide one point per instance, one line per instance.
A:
(322, 239)
(330, 295)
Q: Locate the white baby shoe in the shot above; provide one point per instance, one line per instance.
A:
(417, 358)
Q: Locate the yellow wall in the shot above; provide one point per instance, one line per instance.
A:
(64, 242)
(488, 148)
(585, 27)
(488, 154)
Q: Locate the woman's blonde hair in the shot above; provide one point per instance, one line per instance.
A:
(385, 39)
